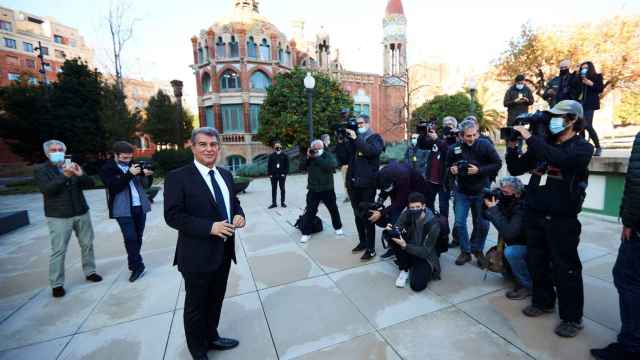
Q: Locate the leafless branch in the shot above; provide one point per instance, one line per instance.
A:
(121, 31)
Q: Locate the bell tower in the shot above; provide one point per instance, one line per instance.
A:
(394, 27)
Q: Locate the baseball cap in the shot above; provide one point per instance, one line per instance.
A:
(567, 107)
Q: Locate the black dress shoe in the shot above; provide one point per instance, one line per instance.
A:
(368, 255)
(94, 278)
(272, 206)
(137, 274)
(223, 344)
(283, 205)
(359, 248)
(388, 254)
(58, 291)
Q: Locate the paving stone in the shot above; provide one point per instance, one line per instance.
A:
(43, 351)
(281, 265)
(366, 347)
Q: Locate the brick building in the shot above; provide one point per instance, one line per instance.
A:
(236, 59)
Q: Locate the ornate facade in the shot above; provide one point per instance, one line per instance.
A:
(236, 59)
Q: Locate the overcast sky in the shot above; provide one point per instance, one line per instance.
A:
(466, 32)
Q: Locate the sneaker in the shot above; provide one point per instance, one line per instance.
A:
(569, 329)
(94, 278)
(534, 311)
(137, 274)
(58, 292)
(519, 293)
(388, 254)
(304, 239)
(283, 205)
(463, 258)
(273, 206)
(339, 232)
(483, 263)
(368, 255)
(613, 351)
(401, 281)
(598, 152)
(359, 248)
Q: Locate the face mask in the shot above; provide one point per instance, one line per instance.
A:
(362, 130)
(564, 72)
(584, 72)
(519, 86)
(56, 157)
(415, 213)
(556, 126)
(320, 152)
(389, 189)
(414, 142)
(124, 163)
(508, 199)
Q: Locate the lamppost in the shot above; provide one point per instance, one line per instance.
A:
(473, 89)
(177, 92)
(310, 84)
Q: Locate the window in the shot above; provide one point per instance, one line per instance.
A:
(5, 25)
(200, 56)
(229, 80)
(28, 47)
(287, 57)
(220, 49)
(209, 117)
(251, 48)
(45, 51)
(72, 43)
(254, 117)
(234, 49)
(362, 103)
(260, 80)
(234, 162)
(57, 39)
(10, 43)
(206, 53)
(12, 60)
(14, 77)
(265, 50)
(30, 63)
(206, 83)
(280, 54)
(232, 118)
(60, 54)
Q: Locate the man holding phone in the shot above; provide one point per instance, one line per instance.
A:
(517, 99)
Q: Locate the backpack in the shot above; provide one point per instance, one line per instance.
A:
(316, 224)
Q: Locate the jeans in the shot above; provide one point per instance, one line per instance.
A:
(313, 200)
(626, 277)
(593, 135)
(275, 181)
(517, 258)
(60, 232)
(462, 204)
(132, 229)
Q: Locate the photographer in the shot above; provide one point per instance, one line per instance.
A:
(472, 162)
(414, 240)
(365, 148)
(415, 156)
(320, 165)
(127, 201)
(277, 170)
(505, 210)
(343, 151)
(557, 187)
(517, 99)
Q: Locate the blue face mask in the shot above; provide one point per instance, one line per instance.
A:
(56, 157)
(584, 72)
(362, 130)
(556, 126)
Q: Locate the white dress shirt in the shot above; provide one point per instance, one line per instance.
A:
(204, 171)
(135, 197)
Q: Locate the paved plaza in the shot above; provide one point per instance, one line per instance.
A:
(284, 300)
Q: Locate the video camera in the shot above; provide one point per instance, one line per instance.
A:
(538, 125)
(450, 132)
(424, 127)
(349, 121)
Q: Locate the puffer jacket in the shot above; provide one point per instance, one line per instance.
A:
(630, 206)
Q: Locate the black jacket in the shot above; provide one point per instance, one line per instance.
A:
(364, 163)
(509, 221)
(481, 154)
(406, 180)
(116, 181)
(515, 108)
(566, 165)
(630, 206)
(439, 151)
(343, 153)
(560, 88)
(589, 96)
(278, 159)
(190, 208)
(63, 197)
(423, 237)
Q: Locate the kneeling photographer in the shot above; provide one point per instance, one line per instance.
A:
(505, 210)
(414, 237)
(556, 190)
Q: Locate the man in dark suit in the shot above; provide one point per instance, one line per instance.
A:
(200, 202)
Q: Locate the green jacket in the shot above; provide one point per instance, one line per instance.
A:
(63, 197)
(320, 172)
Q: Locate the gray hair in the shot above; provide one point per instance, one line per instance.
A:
(364, 117)
(48, 144)
(468, 124)
(209, 131)
(317, 142)
(513, 182)
(450, 120)
(325, 137)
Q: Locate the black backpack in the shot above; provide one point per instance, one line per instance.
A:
(316, 224)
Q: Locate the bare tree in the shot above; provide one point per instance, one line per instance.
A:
(121, 30)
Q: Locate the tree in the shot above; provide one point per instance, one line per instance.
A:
(119, 123)
(121, 31)
(628, 112)
(161, 119)
(284, 113)
(612, 45)
(458, 106)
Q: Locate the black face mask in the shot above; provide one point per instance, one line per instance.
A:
(508, 200)
(564, 72)
(278, 149)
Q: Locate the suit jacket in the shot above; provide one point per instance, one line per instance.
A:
(117, 188)
(190, 208)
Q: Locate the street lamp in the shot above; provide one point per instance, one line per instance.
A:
(473, 89)
(177, 92)
(310, 84)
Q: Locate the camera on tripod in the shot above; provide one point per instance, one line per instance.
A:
(538, 123)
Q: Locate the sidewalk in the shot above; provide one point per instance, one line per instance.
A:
(284, 300)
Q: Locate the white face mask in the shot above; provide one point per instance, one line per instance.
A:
(320, 152)
(56, 157)
(362, 130)
(519, 86)
(414, 142)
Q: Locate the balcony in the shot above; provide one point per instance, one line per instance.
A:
(237, 139)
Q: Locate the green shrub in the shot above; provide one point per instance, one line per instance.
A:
(393, 152)
(252, 170)
(167, 160)
(241, 179)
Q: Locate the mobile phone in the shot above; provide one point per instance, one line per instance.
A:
(67, 161)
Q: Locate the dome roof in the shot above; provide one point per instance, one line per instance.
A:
(246, 19)
(394, 7)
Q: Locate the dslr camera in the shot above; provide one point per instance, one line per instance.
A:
(492, 193)
(423, 127)
(144, 165)
(538, 123)
(349, 121)
(450, 132)
(463, 167)
(395, 232)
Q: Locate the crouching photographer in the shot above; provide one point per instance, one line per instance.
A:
(556, 190)
(505, 210)
(414, 237)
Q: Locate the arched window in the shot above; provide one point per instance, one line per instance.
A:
(362, 103)
(234, 49)
(265, 50)
(234, 162)
(280, 54)
(220, 49)
(260, 80)
(287, 57)
(251, 48)
(206, 83)
(254, 117)
(200, 55)
(229, 80)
